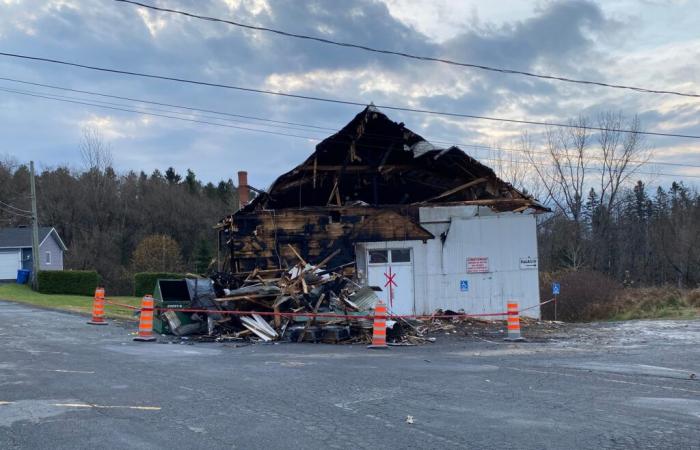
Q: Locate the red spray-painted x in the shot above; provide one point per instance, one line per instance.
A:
(391, 283)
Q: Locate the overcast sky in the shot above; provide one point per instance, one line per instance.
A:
(647, 43)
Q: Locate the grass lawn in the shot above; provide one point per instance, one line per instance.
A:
(77, 303)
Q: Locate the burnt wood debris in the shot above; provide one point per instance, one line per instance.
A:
(291, 250)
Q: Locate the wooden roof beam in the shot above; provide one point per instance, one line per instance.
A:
(351, 168)
(458, 189)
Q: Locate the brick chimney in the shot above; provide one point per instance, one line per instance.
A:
(243, 190)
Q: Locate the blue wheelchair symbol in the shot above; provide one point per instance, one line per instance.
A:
(556, 288)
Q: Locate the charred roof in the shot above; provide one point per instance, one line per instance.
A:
(376, 161)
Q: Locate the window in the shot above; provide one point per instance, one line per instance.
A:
(48, 258)
(400, 255)
(378, 256)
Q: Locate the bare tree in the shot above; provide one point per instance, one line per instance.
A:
(564, 167)
(514, 171)
(621, 153)
(95, 151)
(572, 163)
(584, 172)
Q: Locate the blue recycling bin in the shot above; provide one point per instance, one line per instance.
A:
(23, 276)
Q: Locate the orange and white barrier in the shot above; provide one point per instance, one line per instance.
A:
(146, 320)
(98, 308)
(379, 329)
(514, 323)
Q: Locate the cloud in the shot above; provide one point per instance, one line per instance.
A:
(572, 38)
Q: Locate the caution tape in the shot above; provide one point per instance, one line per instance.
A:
(122, 305)
(327, 315)
(539, 304)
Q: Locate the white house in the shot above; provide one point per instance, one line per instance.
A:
(16, 250)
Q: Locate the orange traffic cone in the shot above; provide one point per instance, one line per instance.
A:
(514, 324)
(146, 320)
(98, 308)
(379, 331)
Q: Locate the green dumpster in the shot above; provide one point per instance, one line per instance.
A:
(171, 294)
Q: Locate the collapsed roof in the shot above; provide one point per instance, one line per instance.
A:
(376, 161)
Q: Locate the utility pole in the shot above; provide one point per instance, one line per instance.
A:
(35, 230)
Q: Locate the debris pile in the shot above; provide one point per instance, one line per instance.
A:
(304, 303)
(301, 303)
(293, 297)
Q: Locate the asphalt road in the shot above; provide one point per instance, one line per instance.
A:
(68, 385)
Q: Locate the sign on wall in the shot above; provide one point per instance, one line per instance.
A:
(464, 285)
(478, 264)
(528, 263)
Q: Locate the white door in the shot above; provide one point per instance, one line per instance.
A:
(392, 271)
(9, 264)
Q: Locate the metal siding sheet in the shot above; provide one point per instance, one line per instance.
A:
(504, 239)
(438, 269)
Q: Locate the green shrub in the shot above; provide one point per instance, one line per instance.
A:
(145, 282)
(75, 282)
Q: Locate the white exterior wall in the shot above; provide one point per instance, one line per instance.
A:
(503, 238)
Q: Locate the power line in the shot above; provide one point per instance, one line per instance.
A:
(314, 127)
(413, 56)
(298, 136)
(152, 114)
(243, 116)
(57, 97)
(11, 212)
(520, 150)
(336, 101)
(7, 205)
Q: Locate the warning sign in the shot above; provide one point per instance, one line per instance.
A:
(479, 264)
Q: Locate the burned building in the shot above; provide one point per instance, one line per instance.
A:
(432, 227)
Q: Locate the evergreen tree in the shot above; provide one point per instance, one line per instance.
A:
(203, 256)
(171, 176)
(191, 182)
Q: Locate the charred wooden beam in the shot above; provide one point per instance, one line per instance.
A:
(458, 189)
(349, 168)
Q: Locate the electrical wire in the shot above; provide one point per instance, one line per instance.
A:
(413, 56)
(154, 114)
(336, 101)
(243, 116)
(7, 205)
(11, 212)
(310, 138)
(313, 127)
(226, 119)
(499, 160)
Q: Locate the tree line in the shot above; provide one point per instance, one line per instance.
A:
(103, 215)
(604, 220)
(649, 238)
